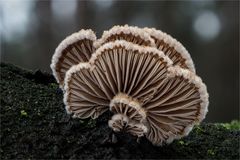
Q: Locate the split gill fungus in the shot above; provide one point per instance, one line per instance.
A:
(142, 75)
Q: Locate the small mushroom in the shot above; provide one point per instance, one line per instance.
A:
(120, 122)
(136, 129)
(148, 90)
(76, 48)
(128, 116)
(127, 106)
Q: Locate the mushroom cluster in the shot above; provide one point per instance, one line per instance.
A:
(142, 75)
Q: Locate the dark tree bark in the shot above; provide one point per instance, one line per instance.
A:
(34, 125)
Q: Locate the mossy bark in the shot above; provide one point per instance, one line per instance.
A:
(34, 124)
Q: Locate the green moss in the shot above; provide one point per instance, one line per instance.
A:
(23, 113)
(198, 129)
(87, 123)
(210, 152)
(181, 142)
(53, 85)
(233, 125)
(81, 121)
(91, 123)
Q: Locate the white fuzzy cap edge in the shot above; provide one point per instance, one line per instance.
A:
(202, 89)
(126, 30)
(129, 46)
(68, 78)
(82, 34)
(172, 42)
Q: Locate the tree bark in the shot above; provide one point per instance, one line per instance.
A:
(34, 124)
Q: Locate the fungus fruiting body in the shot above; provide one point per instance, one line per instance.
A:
(74, 49)
(144, 77)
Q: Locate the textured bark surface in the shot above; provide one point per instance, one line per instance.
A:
(34, 124)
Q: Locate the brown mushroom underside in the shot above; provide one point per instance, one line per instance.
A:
(75, 53)
(175, 56)
(151, 89)
(175, 106)
(160, 44)
(133, 73)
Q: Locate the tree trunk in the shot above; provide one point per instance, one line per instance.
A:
(34, 124)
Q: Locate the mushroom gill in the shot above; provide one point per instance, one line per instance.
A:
(76, 48)
(116, 67)
(84, 96)
(172, 48)
(143, 76)
(153, 38)
(122, 123)
(127, 106)
(178, 104)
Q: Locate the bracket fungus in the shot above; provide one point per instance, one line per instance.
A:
(143, 76)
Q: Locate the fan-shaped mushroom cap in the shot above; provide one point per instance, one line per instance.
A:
(114, 68)
(152, 89)
(172, 48)
(128, 33)
(136, 129)
(76, 48)
(171, 99)
(178, 104)
(83, 95)
(129, 68)
(120, 122)
(126, 105)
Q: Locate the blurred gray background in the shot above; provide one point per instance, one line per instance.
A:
(31, 30)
